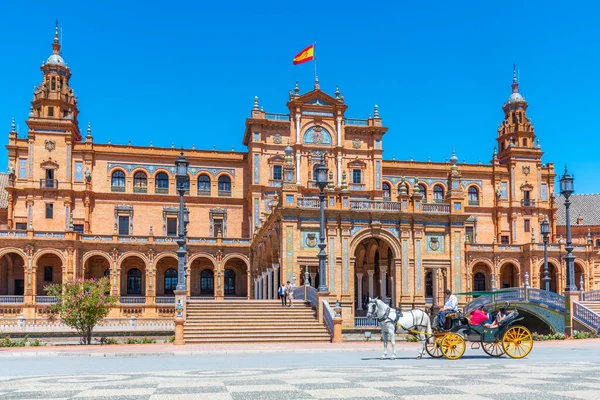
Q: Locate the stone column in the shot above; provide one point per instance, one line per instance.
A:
(392, 289)
(270, 283)
(298, 168)
(264, 286)
(276, 280)
(359, 277)
(371, 273)
(339, 170)
(339, 131)
(382, 284)
(313, 279)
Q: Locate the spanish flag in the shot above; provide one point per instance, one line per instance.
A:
(308, 54)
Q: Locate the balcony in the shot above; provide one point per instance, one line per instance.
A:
(277, 117)
(527, 203)
(117, 189)
(374, 205)
(204, 192)
(159, 190)
(356, 122)
(133, 300)
(224, 193)
(48, 183)
(436, 208)
(140, 189)
(308, 202)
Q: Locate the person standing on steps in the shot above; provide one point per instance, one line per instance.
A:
(290, 290)
(283, 295)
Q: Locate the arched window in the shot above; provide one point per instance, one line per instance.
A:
(224, 186)
(423, 192)
(203, 185)
(473, 196)
(162, 183)
(479, 282)
(207, 282)
(438, 194)
(53, 84)
(229, 282)
(140, 183)
(134, 281)
(387, 192)
(170, 280)
(117, 181)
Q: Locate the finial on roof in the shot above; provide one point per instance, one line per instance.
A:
(297, 89)
(537, 143)
(453, 159)
(151, 145)
(31, 113)
(376, 111)
(193, 147)
(129, 143)
(337, 92)
(56, 44)
(428, 159)
(12, 125)
(232, 148)
(214, 147)
(514, 73)
(108, 142)
(317, 86)
(172, 145)
(515, 84)
(255, 103)
(89, 129)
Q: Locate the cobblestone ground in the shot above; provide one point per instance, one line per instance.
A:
(432, 379)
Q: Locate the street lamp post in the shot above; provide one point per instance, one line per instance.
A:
(321, 179)
(567, 189)
(181, 174)
(545, 230)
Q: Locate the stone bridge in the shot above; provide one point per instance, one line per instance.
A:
(547, 306)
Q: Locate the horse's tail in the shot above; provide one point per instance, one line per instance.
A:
(429, 332)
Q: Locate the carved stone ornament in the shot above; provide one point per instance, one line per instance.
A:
(277, 139)
(434, 243)
(526, 169)
(50, 145)
(356, 143)
(311, 240)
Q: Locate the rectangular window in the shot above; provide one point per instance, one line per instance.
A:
(524, 142)
(49, 210)
(21, 226)
(544, 194)
(503, 190)
(171, 226)
(356, 176)
(256, 136)
(47, 274)
(78, 228)
(277, 172)
(527, 225)
(504, 239)
(123, 225)
(51, 111)
(469, 234)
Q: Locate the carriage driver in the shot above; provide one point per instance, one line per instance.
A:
(450, 306)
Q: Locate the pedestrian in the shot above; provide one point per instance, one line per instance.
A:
(290, 291)
(283, 295)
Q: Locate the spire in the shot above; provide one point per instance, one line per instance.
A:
(56, 44)
(337, 92)
(515, 84)
(89, 132)
(255, 103)
(376, 111)
(297, 90)
(12, 125)
(317, 86)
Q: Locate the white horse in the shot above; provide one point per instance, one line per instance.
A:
(389, 321)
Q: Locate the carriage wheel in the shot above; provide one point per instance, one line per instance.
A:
(453, 346)
(435, 349)
(517, 342)
(493, 349)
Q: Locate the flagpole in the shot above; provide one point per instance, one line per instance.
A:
(315, 58)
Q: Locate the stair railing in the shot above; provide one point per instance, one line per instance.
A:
(586, 316)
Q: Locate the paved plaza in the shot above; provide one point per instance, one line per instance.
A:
(564, 370)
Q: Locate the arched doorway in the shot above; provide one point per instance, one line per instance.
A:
(49, 272)
(579, 277)
(509, 276)
(165, 281)
(207, 283)
(479, 282)
(235, 277)
(374, 269)
(133, 277)
(482, 277)
(12, 275)
(201, 277)
(552, 274)
(96, 267)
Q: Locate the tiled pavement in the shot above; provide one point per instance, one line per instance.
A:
(445, 380)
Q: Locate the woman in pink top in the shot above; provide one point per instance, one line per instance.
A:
(480, 316)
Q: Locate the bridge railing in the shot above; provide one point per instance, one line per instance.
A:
(592, 295)
(586, 316)
(364, 322)
(550, 299)
(328, 316)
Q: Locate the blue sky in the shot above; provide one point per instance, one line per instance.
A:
(187, 72)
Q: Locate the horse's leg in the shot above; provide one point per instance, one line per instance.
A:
(385, 339)
(393, 337)
(422, 339)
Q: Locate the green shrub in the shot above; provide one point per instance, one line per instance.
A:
(170, 339)
(144, 340)
(586, 335)
(536, 337)
(411, 338)
(551, 336)
(6, 342)
(108, 340)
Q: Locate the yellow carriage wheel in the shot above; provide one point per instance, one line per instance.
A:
(517, 342)
(435, 349)
(493, 349)
(453, 346)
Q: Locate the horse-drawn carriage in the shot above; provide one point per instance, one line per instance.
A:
(505, 338)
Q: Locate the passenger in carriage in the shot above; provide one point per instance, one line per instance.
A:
(479, 316)
(499, 317)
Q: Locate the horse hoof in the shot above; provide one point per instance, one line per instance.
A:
(419, 357)
(393, 358)
(382, 357)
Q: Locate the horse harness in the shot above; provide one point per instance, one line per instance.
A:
(386, 318)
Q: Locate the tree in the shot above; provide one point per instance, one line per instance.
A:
(81, 304)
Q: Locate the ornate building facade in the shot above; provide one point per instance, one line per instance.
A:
(400, 230)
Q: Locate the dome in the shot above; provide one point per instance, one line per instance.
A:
(516, 98)
(56, 59)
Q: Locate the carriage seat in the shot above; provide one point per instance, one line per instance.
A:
(509, 318)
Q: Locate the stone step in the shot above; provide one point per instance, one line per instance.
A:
(254, 332)
(258, 335)
(257, 340)
(255, 323)
(303, 313)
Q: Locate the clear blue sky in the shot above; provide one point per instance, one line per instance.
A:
(439, 71)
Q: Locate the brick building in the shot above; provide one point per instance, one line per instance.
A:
(402, 230)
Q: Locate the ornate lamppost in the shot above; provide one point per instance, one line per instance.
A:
(321, 179)
(545, 230)
(181, 165)
(567, 189)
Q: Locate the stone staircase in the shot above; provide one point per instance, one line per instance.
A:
(252, 321)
